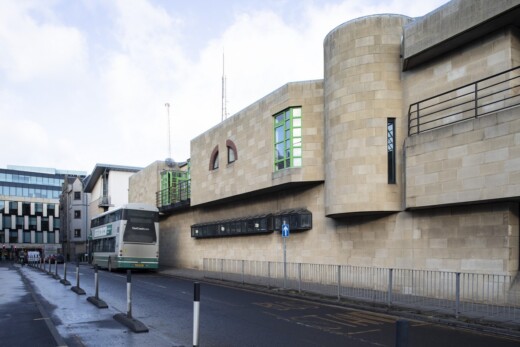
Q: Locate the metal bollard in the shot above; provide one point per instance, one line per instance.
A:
(56, 276)
(95, 300)
(135, 325)
(96, 280)
(64, 280)
(401, 333)
(196, 313)
(76, 289)
(129, 293)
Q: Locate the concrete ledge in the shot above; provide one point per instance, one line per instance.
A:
(78, 290)
(97, 302)
(133, 324)
(454, 24)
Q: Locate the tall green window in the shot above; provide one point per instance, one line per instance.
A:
(288, 138)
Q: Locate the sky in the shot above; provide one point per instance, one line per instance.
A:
(87, 81)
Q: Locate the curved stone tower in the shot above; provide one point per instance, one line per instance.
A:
(362, 90)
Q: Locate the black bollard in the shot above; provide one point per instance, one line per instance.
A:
(95, 300)
(64, 280)
(196, 311)
(56, 276)
(401, 333)
(129, 294)
(135, 325)
(76, 289)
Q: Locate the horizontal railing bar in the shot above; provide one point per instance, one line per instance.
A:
(448, 108)
(501, 82)
(468, 85)
(417, 119)
(447, 116)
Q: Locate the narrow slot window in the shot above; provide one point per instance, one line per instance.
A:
(391, 150)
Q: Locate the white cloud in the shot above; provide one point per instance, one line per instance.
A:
(38, 50)
(72, 95)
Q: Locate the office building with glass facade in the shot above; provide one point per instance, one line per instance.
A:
(29, 209)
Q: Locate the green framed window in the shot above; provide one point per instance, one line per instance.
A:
(288, 139)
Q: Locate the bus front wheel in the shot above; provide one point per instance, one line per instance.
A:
(109, 265)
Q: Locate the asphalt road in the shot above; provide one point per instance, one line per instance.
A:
(228, 316)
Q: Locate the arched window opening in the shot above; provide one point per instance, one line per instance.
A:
(232, 154)
(213, 162)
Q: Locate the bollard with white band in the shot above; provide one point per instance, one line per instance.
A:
(56, 276)
(127, 319)
(64, 280)
(129, 294)
(95, 300)
(76, 289)
(196, 313)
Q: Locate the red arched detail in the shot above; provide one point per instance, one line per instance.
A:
(231, 144)
(214, 159)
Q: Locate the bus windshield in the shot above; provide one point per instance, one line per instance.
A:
(140, 226)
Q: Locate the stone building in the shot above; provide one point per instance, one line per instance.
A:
(74, 218)
(405, 155)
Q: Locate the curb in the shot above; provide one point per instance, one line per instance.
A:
(48, 321)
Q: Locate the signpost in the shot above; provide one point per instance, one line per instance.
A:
(285, 235)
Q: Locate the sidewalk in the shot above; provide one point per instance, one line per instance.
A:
(185, 273)
(22, 318)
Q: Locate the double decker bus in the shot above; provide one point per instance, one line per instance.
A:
(126, 238)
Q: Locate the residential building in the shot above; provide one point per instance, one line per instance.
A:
(30, 217)
(405, 155)
(108, 188)
(74, 218)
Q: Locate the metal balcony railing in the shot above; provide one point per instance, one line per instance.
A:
(178, 195)
(488, 95)
(104, 201)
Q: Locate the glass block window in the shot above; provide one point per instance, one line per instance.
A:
(288, 139)
(390, 135)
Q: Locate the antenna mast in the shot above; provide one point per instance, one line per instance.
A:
(224, 101)
(169, 136)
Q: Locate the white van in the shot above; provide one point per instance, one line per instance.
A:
(33, 257)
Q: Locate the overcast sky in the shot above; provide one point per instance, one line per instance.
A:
(86, 81)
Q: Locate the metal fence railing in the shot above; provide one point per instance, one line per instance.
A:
(480, 296)
(485, 96)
